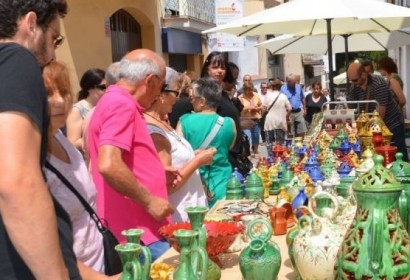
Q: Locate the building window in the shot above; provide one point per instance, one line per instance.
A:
(125, 34)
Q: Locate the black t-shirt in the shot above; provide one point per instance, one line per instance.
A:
(313, 107)
(181, 107)
(22, 90)
(228, 109)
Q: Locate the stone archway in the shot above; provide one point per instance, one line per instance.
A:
(125, 34)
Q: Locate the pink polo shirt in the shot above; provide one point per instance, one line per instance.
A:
(118, 121)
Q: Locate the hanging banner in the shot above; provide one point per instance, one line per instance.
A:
(226, 11)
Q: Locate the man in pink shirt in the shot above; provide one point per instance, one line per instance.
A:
(129, 176)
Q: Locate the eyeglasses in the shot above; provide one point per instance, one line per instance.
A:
(101, 87)
(264, 87)
(176, 92)
(58, 41)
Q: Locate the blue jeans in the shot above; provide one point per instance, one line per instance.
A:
(253, 134)
(158, 248)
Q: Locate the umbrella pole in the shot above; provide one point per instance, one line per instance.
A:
(346, 37)
(329, 55)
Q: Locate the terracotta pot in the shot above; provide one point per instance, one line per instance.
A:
(278, 220)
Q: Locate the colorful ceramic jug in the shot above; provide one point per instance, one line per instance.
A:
(401, 170)
(261, 259)
(133, 235)
(193, 261)
(316, 245)
(376, 246)
(132, 270)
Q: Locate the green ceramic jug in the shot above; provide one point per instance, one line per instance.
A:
(261, 259)
(193, 261)
(401, 170)
(133, 235)
(132, 270)
(376, 246)
(196, 215)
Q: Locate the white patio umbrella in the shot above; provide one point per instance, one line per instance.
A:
(317, 17)
(340, 79)
(317, 44)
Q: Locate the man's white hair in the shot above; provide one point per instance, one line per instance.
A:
(135, 70)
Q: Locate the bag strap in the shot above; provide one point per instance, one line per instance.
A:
(87, 206)
(213, 133)
(273, 103)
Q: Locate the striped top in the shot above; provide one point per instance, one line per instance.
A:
(379, 91)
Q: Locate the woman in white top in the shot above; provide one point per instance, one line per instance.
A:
(276, 119)
(175, 151)
(88, 244)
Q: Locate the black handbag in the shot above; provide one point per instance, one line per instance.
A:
(112, 261)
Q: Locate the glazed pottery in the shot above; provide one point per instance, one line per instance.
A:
(377, 139)
(129, 255)
(300, 199)
(274, 187)
(254, 187)
(133, 235)
(401, 170)
(316, 245)
(196, 215)
(278, 220)
(234, 189)
(376, 246)
(261, 259)
(343, 188)
(387, 152)
(193, 261)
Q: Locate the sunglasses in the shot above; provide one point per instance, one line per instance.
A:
(101, 87)
(58, 41)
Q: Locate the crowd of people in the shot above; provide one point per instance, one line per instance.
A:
(140, 142)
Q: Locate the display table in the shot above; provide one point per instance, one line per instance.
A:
(229, 262)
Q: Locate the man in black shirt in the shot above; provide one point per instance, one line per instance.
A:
(35, 232)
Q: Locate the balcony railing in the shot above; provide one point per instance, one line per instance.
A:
(203, 10)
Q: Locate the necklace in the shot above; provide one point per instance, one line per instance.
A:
(168, 129)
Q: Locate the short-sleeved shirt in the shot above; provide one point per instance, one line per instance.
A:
(22, 90)
(118, 121)
(378, 90)
(295, 95)
(276, 117)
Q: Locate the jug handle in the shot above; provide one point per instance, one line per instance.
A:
(376, 240)
(134, 267)
(332, 197)
(204, 262)
(147, 262)
(263, 237)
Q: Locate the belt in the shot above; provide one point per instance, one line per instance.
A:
(296, 110)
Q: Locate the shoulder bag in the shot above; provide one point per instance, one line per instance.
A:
(205, 145)
(112, 261)
(262, 121)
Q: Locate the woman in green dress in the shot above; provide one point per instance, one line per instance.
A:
(196, 127)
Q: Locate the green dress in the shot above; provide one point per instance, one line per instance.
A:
(196, 127)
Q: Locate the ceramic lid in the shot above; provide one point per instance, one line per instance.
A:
(378, 179)
(234, 183)
(253, 180)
